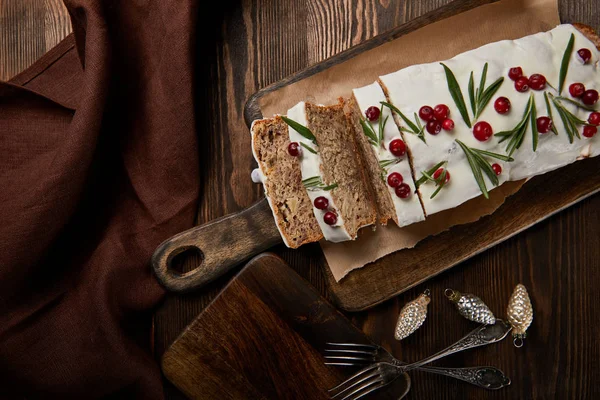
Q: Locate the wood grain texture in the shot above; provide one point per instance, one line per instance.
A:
(249, 44)
(557, 259)
(263, 338)
(28, 29)
(221, 244)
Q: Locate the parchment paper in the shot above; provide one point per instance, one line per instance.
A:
(507, 19)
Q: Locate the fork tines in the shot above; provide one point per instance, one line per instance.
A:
(360, 384)
(349, 354)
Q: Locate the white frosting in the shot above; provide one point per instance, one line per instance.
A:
(310, 165)
(426, 84)
(408, 210)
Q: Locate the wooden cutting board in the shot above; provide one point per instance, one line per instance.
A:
(262, 338)
(228, 241)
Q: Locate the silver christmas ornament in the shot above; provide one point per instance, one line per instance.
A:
(412, 316)
(519, 314)
(471, 307)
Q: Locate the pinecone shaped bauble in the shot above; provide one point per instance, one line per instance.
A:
(412, 316)
(471, 307)
(519, 313)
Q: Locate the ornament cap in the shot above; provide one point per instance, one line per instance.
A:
(452, 295)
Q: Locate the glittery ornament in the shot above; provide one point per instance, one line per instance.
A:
(471, 307)
(412, 316)
(519, 313)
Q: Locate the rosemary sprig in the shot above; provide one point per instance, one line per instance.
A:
(549, 110)
(576, 103)
(480, 99)
(369, 132)
(534, 130)
(376, 139)
(416, 128)
(307, 147)
(315, 183)
(387, 163)
(516, 135)
(569, 120)
(564, 65)
(456, 94)
(384, 164)
(427, 176)
(472, 93)
(301, 129)
(479, 165)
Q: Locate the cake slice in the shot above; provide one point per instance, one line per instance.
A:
(386, 157)
(331, 169)
(280, 175)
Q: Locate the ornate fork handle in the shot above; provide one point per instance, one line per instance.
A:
(485, 334)
(485, 377)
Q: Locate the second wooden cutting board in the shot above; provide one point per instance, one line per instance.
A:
(262, 338)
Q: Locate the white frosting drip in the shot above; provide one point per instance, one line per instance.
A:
(408, 210)
(257, 176)
(425, 84)
(310, 165)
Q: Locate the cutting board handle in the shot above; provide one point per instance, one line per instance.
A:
(223, 244)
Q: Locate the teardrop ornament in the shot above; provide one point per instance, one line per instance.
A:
(471, 307)
(412, 316)
(519, 314)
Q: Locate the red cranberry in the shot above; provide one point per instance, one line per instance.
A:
(448, 124)
(482, 131)
(594, 118)
(589, 131)
(321, 203)
(497, 169)
(294, 149)
(515, 73)
(544, 124)
(576, 89)
(395, 179)
(584, 55)
(439, 172)
(441, 112)
(397, 147)
(434, 127)
(502, 105)
(403, 191)
(522, 84)
(330, 218)
(590, 97)
(537, 82)
(426, 113)
(372, 113)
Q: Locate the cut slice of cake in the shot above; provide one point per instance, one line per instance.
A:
(280, 175)
(386, 156)
(331, 169)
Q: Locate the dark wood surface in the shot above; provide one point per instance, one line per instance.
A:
(248, 45)
(263, 338)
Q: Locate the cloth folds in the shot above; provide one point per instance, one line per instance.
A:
(98, 165)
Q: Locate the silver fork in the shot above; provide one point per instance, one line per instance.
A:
(352, 354)
(381, 374)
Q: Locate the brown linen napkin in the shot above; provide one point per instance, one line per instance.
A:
(506, 19)
(98, 165)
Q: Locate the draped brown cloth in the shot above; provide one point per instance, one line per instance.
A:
(98, 165)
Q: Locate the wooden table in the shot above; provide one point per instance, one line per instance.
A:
(254, 43)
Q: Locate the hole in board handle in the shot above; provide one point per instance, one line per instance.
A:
(185, 259)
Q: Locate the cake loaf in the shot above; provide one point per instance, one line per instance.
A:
(510, 116)
(429, 137)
